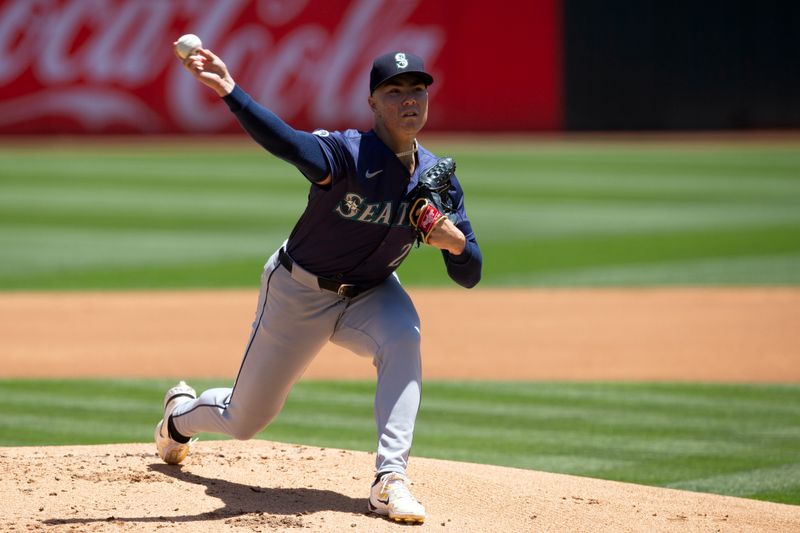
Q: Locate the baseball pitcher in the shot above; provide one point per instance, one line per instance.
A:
(373, 196)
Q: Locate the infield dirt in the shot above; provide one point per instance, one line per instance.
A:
(708, 334)
(742, 335)
(263, 486)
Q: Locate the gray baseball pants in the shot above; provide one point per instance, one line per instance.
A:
(293, 322)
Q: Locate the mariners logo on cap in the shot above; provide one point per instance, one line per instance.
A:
(401, 60)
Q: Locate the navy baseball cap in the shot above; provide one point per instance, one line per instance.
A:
(393, 64)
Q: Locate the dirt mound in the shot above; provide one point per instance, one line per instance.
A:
(264, 486)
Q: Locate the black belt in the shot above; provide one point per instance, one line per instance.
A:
(342, 289)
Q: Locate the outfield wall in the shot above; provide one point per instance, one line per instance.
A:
(106, 66)
(651, 64)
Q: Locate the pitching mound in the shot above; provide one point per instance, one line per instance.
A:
(266, 486)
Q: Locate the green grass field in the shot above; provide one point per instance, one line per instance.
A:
(741, 440)
(547, 213)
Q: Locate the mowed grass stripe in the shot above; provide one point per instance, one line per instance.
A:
(225, 169)
(676, 158)
(565, 261)
(101, 221)
(537, 405)
(597, 429)
(105, 250)
(213, 271)
(545, 214)
(777, 269)
(667, 394)
(547, 221)
(619, 168)
(742, 483)
(45, 427)
(66, 197)
(112, 206)
(615, 184)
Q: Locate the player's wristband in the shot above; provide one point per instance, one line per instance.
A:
(425, 217)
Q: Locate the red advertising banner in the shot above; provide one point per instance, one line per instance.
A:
(106, 66)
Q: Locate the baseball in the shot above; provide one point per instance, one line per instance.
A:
(186, 44)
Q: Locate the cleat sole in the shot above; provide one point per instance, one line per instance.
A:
(407, 520)
(176, 456)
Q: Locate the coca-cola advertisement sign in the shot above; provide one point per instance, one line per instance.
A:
(107, 66)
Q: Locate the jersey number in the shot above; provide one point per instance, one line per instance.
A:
(403, 254)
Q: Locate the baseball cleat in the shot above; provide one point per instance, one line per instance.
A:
(391, 497)
(170, 450)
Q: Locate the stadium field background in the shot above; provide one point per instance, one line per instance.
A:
(548, 212)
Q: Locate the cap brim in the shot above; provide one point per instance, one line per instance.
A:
(426, 78)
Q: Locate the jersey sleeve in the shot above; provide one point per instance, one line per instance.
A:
(336, 151)
(273, 134)
(464, 269)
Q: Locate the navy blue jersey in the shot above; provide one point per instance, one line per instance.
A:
(357, 229)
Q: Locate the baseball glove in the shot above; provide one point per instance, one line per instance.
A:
(431, 202)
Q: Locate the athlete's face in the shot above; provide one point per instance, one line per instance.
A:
(401, 104)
